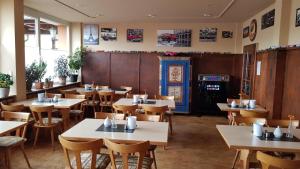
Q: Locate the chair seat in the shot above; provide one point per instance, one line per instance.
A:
(102, 160)
(106, 104)
(132, 162)
(54, 120)
(169, 113)
(152, 147)
(7, 141)
(76, 112)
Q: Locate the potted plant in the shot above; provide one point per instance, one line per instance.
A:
(61, 69)
(76, 61)
(48, 82)
(5, 83)
(34, 74)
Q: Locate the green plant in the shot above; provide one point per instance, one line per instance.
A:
(61, 67)
(76, 61)
(5, 80)
(35, 72)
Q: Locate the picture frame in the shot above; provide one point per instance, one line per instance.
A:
(227, 34)
(91, 34)
(174, 38)
(208, 35)
(268, 19)
(297, 17)
(108, 34)
(175, 74)
(246, 32)
(177, 92)
(135, 35)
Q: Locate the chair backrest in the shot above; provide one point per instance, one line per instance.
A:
(12, 108)
(129, 95)
(248, 121)
(156, 110)
(145, 117)
(64, 92)
(103, 87)
(18, 116)
(127, 88)
(90, 95)
(125, 109)
(282, 123)
(106, 97)
(268, 161)
(159, 97)
(37, 113)
(77, 147)
(248, 113)
(51, 95)
(103, 115)
(125, 150)
(74, 96)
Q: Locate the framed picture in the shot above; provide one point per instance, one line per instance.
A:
(246, 32)
(227, 34)
(174, 38)
(108, 34)
(298, 17)
(208, 35)
(177, 92)
(135, 35)
(91, 34)
(175, 74)
(268, 19)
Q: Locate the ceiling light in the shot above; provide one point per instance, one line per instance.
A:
(151, 15)
(206, 15)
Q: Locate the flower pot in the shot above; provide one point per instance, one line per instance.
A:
(62, 80)
(39, 85)
(73, 77)
(48, 84)
(4, 92)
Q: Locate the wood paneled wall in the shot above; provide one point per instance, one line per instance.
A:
(141, 70)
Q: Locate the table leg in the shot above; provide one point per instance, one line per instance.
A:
(66, 118)
(245, 158)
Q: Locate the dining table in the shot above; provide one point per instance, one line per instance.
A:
(63, 105)
(88, 129)
(228, 108)
(241, 138)
(121, 92)
(149, 102)
(9, 126)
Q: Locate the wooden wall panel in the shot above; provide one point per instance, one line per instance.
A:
(149, 73)
(96, 68)
(125, 70)
(291, 94)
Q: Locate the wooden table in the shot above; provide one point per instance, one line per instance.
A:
(155, 132)
(9, 126)
(241, 137)
(118, 92)
(64, 106)
(158, 103)
(225, 107)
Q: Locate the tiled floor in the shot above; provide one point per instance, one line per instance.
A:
(196, 144)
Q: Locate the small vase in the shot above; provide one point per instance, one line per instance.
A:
(39, 85)
(62, 80)
(4, 92)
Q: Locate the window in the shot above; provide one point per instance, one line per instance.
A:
(31, 40)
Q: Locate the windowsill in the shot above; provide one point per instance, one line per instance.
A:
(55, 86)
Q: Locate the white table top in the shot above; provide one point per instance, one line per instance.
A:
(155, 132)
(81, 89)
(225, 107)
(241, 137)
(9, 126)
(159, 103)
(62, 103)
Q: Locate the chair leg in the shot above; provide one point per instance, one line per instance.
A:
(7, 158)
(154, 159)
(52, 137)
(36, 136)
(170, 124)
(236, 157)
(25, 156)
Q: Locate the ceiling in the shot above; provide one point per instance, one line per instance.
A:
(150, 10)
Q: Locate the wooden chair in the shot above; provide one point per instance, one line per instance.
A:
(153, 118)
(103, 115)
(127, 88)
(169, 114)
(11, 108)
(268, 161)
(129, 95)
(103, 87)
(76, 111)
(64, 92)
(106, 99)
(47, 122)
(7, 143)
(51, 95)
(156, 111)
(282, 123)
(126, 109)
(126, 161)
(249, 113)
(91, 99)
(86, 154)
